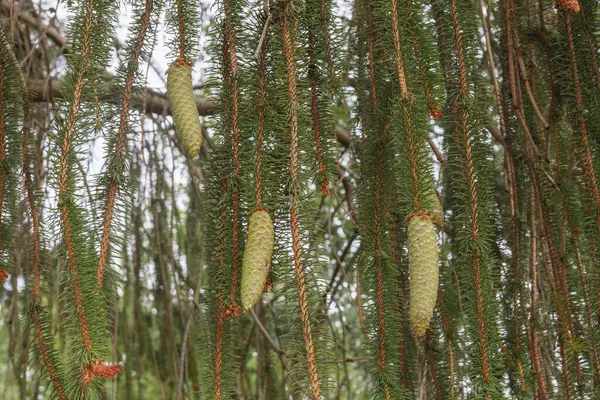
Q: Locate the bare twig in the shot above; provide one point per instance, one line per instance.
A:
(261, 42)
(182, 359)
(265, 333)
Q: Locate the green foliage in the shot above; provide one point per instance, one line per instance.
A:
(121, 248)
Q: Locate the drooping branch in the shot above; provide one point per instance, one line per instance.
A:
(288, 50)
(3, 124)
(66, 148)
(534, 350)
(475, 211)
(583, 129)
(121, 137)
(315, 114)
(46, 353)
(232, 60)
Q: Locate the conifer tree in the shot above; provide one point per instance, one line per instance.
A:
(380, 199)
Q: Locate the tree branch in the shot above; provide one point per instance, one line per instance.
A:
(33, 20)
(156, 102)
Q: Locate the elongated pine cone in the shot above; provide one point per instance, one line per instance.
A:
(3, 276)
(183, 106)
(257, 257)
(569, 5)
(424, 271)
(97, 368)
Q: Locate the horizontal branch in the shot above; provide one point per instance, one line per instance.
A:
(156, 102)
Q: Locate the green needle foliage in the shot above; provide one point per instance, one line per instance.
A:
(425, 173)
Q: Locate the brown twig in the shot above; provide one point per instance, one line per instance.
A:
(218, 358)
(378, 201)
(588, 309)
(406, 103)
(557, 290)
(534, 351)
(288, 50)
(401, 290)
(39, 334)
(474, 203)
(261, 120)
(11, 21)
(436, 151)
(312, 72)
(35, 217)
(492, 70)
(64, 175)
(181, 29)
(432, 366)
(589, 165)
(266, 334)
(325, 16)
(2, 143)
(448, 334)
(525, 78)
(120, 141)
(359, 305)
(231, 56)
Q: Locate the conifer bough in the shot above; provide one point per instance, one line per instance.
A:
(180, 93)
(424, 272)
(257, 257)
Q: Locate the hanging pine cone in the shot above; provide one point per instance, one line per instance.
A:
(183, 106)
(569, 5)
(424, 272)
(257, 257)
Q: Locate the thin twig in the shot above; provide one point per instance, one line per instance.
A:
(263, 36)
(266, 333)
(182, 359)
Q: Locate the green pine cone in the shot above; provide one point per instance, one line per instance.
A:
(424, 272)
(183, 106)
(257, 257)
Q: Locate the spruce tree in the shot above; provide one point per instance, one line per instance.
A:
(305, 199)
